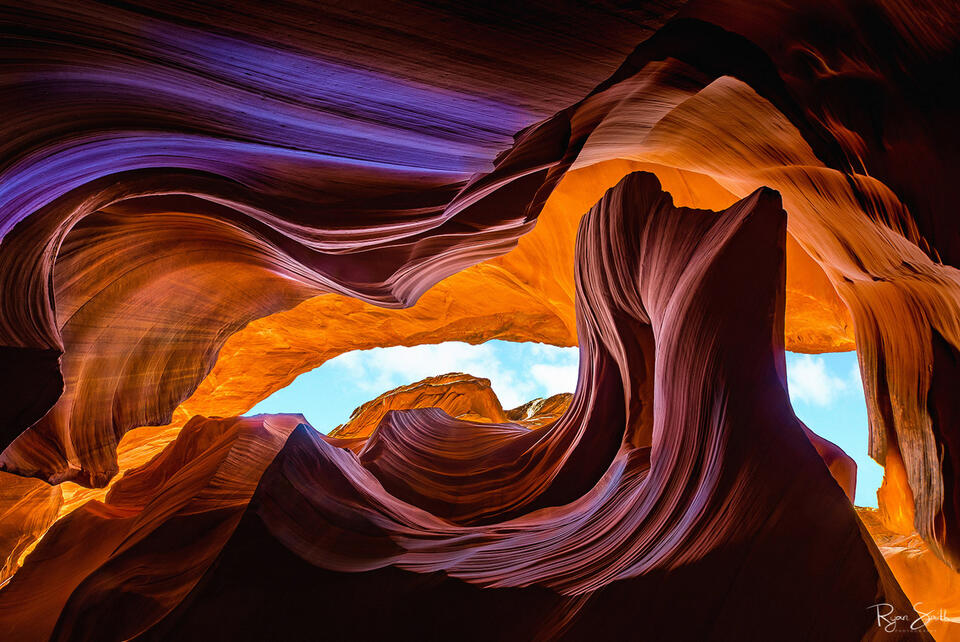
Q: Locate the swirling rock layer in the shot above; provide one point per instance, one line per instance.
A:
(494, 505)
(197, 204)
(153, 538)
(29, 507)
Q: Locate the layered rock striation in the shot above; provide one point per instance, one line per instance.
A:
(459, 395)
(197, 204)
(496, 505)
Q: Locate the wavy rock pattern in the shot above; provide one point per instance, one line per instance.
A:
(929, 583)
(28, 507)
(496, 505)
(154, 537)
(529, 297)
(176, 182)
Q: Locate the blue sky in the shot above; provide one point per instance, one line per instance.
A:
(827, 395)
(825, 389)
(518, 372)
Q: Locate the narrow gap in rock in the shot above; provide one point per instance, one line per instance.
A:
(827, 395)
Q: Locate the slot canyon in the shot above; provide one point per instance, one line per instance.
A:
(202, 201)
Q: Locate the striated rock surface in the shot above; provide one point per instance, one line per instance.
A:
(199, 203)
(27, 508)
(541, 412)
(459, 395)
(149, 542)
(487, 511)
(528, 296)
(932, 586)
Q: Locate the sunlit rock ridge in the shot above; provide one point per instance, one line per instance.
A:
(199, 203)
(461, 396)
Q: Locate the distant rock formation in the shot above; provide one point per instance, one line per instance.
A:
(540, 412)
(459, 395)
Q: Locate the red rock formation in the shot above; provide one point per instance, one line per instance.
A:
(541, 412)
(496, 505)
(932, 586)
(171, 175)
(459, 395)
(648, 493)
(147, 545)
(27, 508)
(528, 297)
(841, 465)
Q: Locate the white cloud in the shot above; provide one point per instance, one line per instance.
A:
(810, 381)
(552, 354)
(555, 378)
(349, 361)
(521, 372)
(540, 370)
(856, 383)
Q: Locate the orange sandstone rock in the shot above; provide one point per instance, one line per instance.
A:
(459, 395)
(932, 586)
(164, 522)
(430, 467)
(27, 508)
(540, 412)
(143, 228)
(527, 296)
